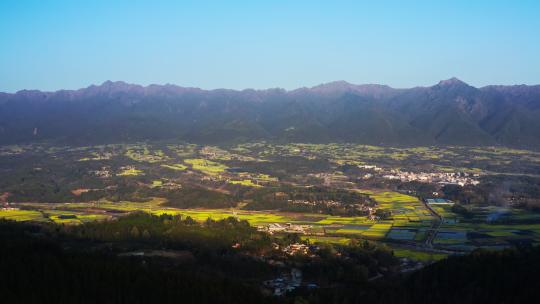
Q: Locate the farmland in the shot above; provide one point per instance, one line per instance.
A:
(331, 193)
(316, 225)
(359, 226)
(409, 222)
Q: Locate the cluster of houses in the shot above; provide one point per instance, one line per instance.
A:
(165, 184)
(454, 178)
(370, 167)
(104, 172)
(284, 228)
(285, 283)
(408, 265)
(300, 249)
(327, 203)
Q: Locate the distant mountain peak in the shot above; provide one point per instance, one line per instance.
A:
(334, 86)
(341, 86)
(452, 82)
(112, 84)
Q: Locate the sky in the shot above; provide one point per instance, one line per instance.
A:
(51, 45)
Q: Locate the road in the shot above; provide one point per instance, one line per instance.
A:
(432, 233)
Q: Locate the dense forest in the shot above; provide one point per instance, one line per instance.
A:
(88, 264)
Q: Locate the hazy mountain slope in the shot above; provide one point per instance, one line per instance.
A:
(450, 112)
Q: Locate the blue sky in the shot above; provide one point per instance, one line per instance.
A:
(50, 45)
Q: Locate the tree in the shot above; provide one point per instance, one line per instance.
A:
(146, 234)
(135, 232)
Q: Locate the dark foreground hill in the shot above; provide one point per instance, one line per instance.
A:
(43, 266)
(449, 113)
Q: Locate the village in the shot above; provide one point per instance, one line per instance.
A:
(443, 178)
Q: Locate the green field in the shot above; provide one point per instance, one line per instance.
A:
(206, 166)
(244, 182)
(418, 255)
(22, 215)
(177, 167)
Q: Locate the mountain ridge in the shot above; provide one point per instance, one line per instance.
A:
(332, 84)
(447, 113)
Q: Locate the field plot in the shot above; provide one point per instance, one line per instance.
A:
(244, 182)
(402, 234)
(489, 227)
(22, 215)
(446, 213)
(46, 215)
(409, 216)
(418, 255)
(177, 167)
(378, 230)
(327, 239)
(206, 166)
(70, 217)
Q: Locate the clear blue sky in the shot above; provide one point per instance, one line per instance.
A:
(50, 45)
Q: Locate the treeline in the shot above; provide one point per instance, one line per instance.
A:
(38, 270)
(281, 198)
(173, 231)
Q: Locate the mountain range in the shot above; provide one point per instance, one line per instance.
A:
(448, 113)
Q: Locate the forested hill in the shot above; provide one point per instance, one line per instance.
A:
(448, 113)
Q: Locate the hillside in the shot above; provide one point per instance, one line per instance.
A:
(448, 113)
